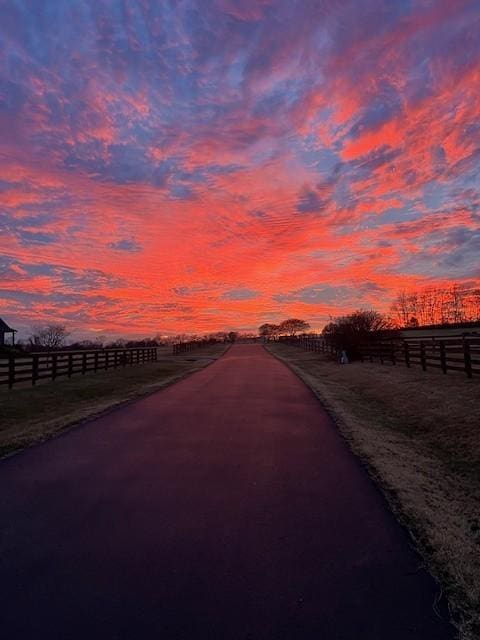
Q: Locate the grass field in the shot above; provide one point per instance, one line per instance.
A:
(419, 436)
(33, 414)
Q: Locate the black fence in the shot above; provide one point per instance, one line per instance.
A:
(17, 368)
(310, 343)
(457, 353)
(192, 345)
(445, 353)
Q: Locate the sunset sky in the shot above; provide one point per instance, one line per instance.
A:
(197, 165)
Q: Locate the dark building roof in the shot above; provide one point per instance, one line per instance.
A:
(4, 328)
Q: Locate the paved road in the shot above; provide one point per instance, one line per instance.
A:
(225, 507)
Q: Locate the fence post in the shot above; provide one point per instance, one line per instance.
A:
(70, 365)
(115, 359)
(407, 353)
(422, 355)
(11, 370)
(467, 357)
(107, 356)
(394, 359)
(34, 369)
(54, 366)
(84, 363)
(443, 357)
(95, 362)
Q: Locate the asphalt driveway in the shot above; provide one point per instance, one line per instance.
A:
(224, 507)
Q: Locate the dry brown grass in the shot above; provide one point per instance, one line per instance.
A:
(419, 436)
(32, 414)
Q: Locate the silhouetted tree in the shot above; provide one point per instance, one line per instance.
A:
(436, 306)
(292, 326)
(348, 332)
(268, 330)
(52, 336)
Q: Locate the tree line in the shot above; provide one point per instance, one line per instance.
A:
(289, 327)
(436, 306)
(55, 336)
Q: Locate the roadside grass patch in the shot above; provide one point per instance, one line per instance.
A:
(418, 434)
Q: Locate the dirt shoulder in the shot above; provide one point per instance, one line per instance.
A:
(30, 415)
(419, 437)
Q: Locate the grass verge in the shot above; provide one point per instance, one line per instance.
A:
(30, 415)
(419, 437)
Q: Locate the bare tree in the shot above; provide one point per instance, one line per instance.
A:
(436, 305)
(51, 337)
(456, 303)
(472, 304)
(424, 306)
(400, 309)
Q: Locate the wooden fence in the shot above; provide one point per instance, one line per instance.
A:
(192, 345)
(16, 368)
(310, 343)
(441, 352)
(447, 354)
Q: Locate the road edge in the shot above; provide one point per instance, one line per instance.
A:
(76, 424)
(388, 492)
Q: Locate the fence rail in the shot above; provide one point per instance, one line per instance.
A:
(447, 354)
(33, 367)
(192, 345)
(310, 343)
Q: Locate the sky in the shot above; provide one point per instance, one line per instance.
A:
(173, 166)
